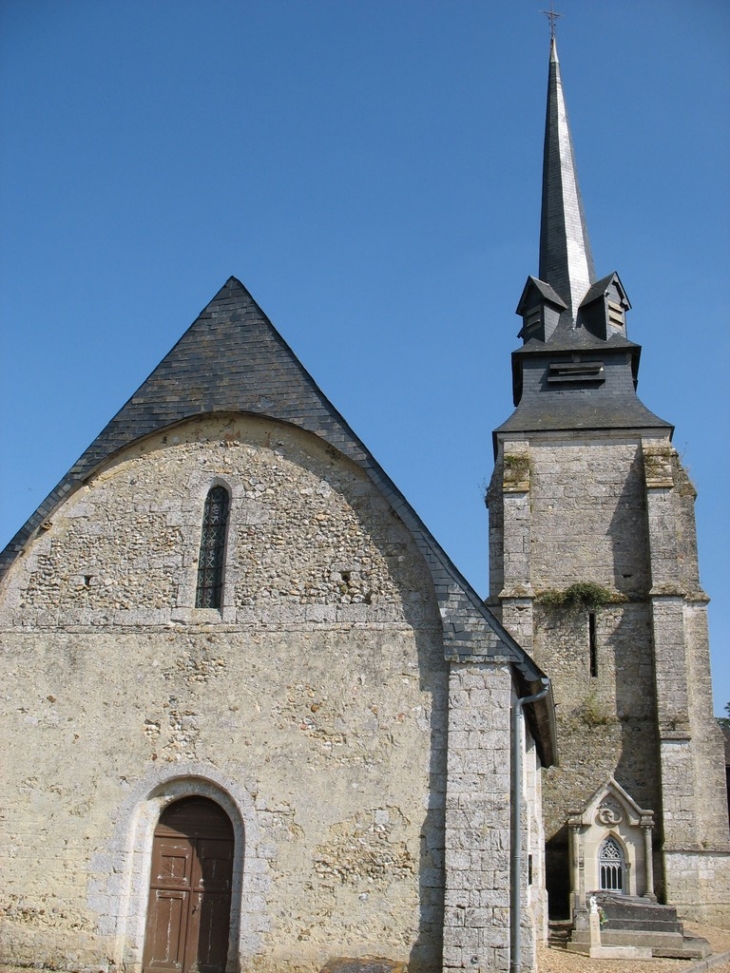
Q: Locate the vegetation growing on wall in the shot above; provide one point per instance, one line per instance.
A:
(516, 474)
(581, 596)
(593, 714)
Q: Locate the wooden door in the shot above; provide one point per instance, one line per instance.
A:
(188, 916)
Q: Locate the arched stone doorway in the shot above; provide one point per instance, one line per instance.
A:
(189, 906)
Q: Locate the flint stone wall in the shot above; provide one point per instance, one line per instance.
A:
(314, 705)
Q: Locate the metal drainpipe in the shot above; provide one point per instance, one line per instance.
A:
(515, 960)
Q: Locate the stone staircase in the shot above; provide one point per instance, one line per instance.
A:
(559, 931)
(639, 923)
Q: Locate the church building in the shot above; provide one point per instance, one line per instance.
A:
(255, 719)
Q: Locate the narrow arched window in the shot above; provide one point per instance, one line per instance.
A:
(212, 549)
(611, 865)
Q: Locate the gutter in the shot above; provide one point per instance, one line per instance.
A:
(516, 827)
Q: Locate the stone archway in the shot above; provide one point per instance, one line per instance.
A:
(119, 886)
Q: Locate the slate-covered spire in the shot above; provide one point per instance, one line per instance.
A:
(576, 369)
(566, 262)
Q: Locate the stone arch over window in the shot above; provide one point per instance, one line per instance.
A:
(119, 887)
(611, 866)
(211, 559)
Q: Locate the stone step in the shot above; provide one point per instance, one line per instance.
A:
(672, 944)
(632, 907)
(621, 922)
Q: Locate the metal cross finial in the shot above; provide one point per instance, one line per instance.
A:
(553, 17)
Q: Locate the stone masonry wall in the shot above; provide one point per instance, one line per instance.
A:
(618, 514)
(477, 915)
(317, 537)
(695, 824)
(315, 702)
(574, 511)
(589, 516)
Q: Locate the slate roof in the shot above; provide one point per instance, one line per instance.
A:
(598, 288)
(569, 410)
(610, 404)
(566, 338)
(567, 280)
(566, 261)
(545, 290)
(232, 359)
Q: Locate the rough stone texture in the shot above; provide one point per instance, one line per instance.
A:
(478, 839)
(367, 965)
(580, 517)
(313, 707)
(618, 512)
(476, 919)
(694, 797)
(309, 532)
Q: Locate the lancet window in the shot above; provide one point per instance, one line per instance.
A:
(209, 593)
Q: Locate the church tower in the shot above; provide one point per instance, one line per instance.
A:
(593, 566)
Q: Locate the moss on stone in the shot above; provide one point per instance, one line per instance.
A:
(581, 596)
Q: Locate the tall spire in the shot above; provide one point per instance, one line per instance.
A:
(566, 262)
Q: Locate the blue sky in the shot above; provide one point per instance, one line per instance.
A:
(370, 169)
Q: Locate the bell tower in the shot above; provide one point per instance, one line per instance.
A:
(593, 564)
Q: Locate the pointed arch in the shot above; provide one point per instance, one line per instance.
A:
(611, 865)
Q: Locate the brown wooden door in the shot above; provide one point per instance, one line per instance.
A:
(188, 916)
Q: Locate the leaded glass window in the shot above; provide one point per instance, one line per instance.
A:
(611, 863)
(212, 549)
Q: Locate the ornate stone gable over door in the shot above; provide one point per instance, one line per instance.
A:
(610, 847)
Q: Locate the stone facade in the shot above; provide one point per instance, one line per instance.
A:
(351, 706)
(593, 564)
(347, 705)
(630, 663)
(610, 816)
(578, 514)
(321, 690)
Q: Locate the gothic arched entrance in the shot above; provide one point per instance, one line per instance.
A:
(188, 916)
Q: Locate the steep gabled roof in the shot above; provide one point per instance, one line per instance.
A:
(534, 284)
(599, 288)
(232, 359)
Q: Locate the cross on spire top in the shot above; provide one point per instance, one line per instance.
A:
(553, 16)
